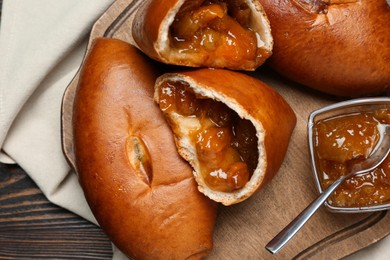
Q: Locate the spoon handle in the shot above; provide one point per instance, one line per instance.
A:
(291, 229)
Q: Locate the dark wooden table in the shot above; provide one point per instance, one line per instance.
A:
(33, 228)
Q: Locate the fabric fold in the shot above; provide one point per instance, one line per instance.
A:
(31, 46)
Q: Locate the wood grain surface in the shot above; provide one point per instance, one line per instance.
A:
(33, 228)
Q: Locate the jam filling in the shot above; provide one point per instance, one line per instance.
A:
(215, 28)
(226, 145)
(343, 140)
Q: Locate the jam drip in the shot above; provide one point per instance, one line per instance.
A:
(226, 145)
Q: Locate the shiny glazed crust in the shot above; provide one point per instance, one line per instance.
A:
(158, 215)
(252, 99)
(150, 32)
(341, 48)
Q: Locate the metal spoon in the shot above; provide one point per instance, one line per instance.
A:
(378, 155)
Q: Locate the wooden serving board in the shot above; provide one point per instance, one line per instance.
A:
(243, 230)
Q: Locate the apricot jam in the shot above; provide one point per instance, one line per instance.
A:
(225, 144)
(214, 29)
(340, 141)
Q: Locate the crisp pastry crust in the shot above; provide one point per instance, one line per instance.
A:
(340, 47)
(140, 190)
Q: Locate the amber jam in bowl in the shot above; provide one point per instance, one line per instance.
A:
(341, 134)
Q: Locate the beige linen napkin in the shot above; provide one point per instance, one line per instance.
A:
(42, 43)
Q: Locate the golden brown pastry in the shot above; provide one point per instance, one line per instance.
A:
(341, 47)
(140, 190)
(232, 128)
(233, 34)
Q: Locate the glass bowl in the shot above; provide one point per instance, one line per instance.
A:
(354, 106)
